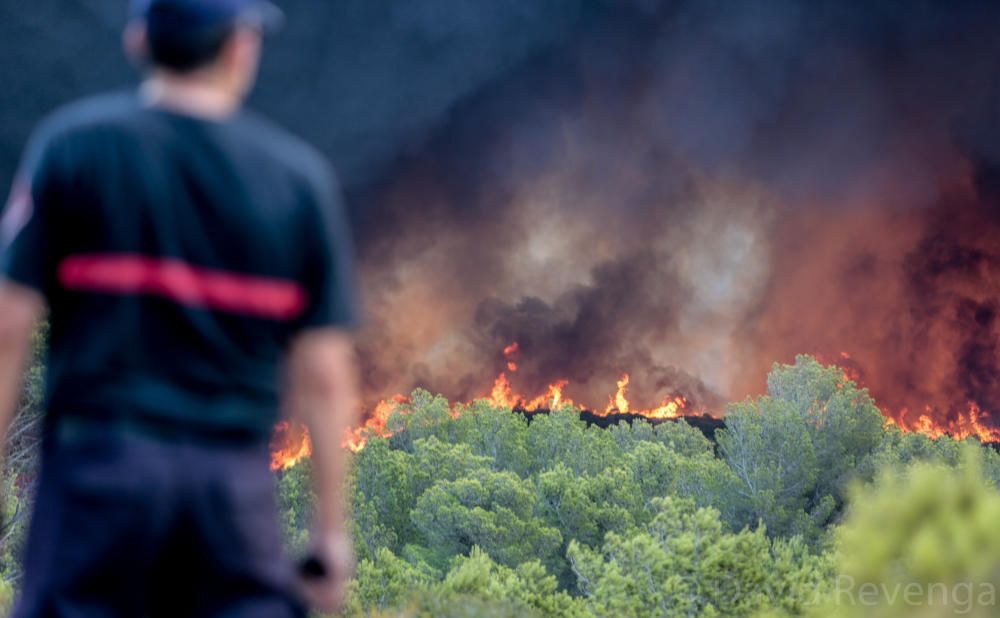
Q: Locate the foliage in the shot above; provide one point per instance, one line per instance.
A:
(485, 512)
(927, 538)
(479, 495)
(920, 542)
(6, 597)
(684, 563)
(795, 450)
(493, 510)
(475, 585)
(21, 463)
(295, 500)
(385, 581)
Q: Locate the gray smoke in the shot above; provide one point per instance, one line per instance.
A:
(685, 190)
(690, 191)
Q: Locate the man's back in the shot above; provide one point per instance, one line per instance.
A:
(182, 254)
(185, 250)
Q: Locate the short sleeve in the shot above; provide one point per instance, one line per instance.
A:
(25, 229)
(329, 279)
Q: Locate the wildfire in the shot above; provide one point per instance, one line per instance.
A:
(964, 425)
(670, 408)
(550, 400)
(294, 439)
(377, 424)
(619, 403)
(291, 443)
(502, 393)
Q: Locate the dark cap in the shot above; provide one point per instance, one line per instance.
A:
(207, 14)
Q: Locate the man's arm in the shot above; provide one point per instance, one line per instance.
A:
(322, 393)
(20, 309)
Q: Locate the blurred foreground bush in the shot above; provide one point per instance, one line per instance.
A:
(924, 543)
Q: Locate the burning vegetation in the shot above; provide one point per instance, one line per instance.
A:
(291, 443)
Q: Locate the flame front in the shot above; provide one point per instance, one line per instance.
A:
(295, 445)
(292, 442)
(963, 425)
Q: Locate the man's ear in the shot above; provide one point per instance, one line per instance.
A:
(136, 43)
(241, 56)
(243, 46)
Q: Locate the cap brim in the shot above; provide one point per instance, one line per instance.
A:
(264, 15)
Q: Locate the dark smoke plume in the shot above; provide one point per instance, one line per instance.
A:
(691, 191)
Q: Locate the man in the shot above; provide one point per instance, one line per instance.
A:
(188, 253)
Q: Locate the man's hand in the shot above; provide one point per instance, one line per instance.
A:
(326, 591)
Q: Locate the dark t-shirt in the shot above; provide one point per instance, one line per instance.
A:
(179, 256)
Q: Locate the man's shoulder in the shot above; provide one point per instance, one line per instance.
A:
(294, 153)
(87, 113)
(71, 120)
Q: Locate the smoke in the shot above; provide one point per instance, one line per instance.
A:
(684, 190)
(691, 191)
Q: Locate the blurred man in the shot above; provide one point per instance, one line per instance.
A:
(188, 253)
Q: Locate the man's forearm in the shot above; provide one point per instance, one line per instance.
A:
(327, 429)
(323, 394)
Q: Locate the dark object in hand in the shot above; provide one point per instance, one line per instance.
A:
(312, 568)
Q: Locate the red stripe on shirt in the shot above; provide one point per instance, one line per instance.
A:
(183, 283)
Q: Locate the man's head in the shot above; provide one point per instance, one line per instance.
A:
(217, 41)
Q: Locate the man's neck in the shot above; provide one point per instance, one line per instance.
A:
(189, 95)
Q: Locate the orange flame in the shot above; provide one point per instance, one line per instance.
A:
(502, 394)
(510, 353)
(292, 444)
(376, 425)
(619, 403)
(964, 425)
(932, 422)
(670, 408)
(549, 400)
